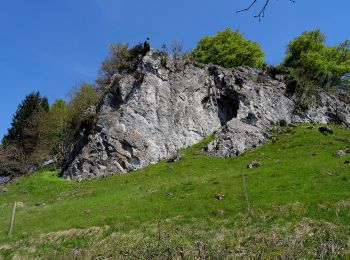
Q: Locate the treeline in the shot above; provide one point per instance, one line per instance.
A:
(41, 132)
(310, 66)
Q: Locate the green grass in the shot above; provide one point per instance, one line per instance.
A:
(301, 193)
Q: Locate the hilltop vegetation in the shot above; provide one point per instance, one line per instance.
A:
(229, 49)
(41, 133)
(293, 203)
(296, 204)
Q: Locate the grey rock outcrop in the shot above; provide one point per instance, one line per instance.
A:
(234, 138)
(143, 121)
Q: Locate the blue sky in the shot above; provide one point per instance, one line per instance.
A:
(51, 46)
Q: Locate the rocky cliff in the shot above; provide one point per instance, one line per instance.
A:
(145, 119)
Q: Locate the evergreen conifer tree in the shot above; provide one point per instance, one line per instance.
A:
(33, 103)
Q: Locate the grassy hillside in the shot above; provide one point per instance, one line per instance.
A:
(297, 204)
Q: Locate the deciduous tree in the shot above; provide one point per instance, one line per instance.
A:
(228, 49)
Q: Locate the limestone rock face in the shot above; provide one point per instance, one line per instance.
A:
(143, 120)
(234, 138)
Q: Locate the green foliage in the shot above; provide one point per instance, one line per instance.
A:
(315, 67)
(84, 99)
(283, 123)
(273, 71)
(24, 145)
(36, 142)
(58, 129)
(320, 64)
(293, 214)
(228, 49)
(304, 89)
(39, 131)
(32, 104)
(121, 60)
(309, 41)
(57, 119)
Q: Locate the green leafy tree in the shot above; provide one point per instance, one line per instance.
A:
(78, 112)
(57, 128)
(309, 41)
(320, 64)
(37, 141)
(228, 49)
(58, 119)
(313, 66)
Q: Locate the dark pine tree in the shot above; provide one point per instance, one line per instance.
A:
(32, 104)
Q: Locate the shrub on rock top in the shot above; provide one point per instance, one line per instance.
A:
(122, 59)
(322, 65)
(229, 49)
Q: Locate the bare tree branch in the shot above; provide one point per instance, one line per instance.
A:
(261, 13)
(248, 8)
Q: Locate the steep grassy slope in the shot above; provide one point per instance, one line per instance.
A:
(296, 204)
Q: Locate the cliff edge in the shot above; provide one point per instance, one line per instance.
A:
(145, 119)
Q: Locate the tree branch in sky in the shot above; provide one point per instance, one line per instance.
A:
(261, 13)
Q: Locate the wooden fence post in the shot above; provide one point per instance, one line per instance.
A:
(250, 211)
(12, 219)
